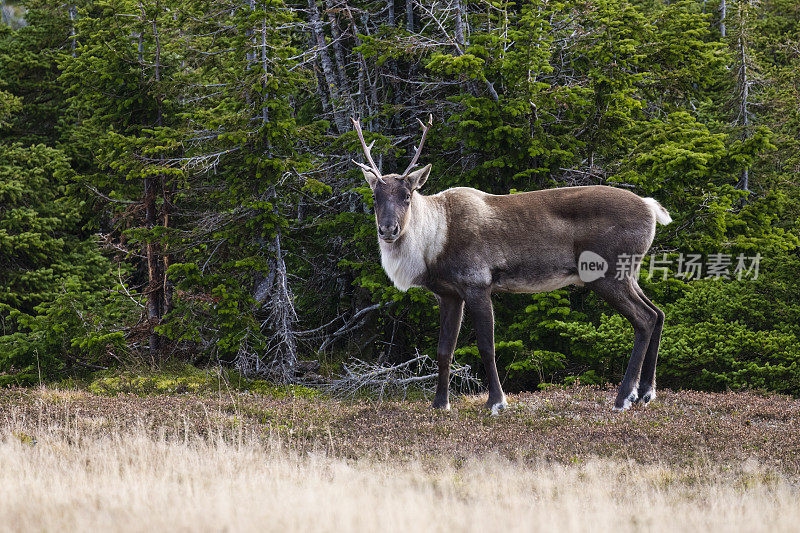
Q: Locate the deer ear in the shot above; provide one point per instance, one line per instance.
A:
(370, 177)
(418, 178)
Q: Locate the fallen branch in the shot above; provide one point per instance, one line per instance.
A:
(420, 372)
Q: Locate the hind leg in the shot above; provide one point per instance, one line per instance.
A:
(622, 296)
(647, 381)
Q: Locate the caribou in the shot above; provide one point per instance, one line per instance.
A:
(464, 245)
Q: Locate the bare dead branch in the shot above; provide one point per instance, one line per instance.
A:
(419, 372)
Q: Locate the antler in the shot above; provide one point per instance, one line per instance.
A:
(367, 151)
(425, 128)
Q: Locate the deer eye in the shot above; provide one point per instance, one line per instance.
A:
(408, 196)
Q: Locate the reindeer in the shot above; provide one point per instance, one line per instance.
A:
(464, 245)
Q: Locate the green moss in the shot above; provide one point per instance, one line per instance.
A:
(26, 439)
(178, 379)
(156, 384)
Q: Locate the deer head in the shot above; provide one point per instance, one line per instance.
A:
(393, 193)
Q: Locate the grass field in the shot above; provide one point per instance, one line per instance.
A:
(557, 459)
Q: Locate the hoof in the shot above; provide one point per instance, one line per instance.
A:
(495, 407)
(626, 402)
(443, 405)
(645, 397)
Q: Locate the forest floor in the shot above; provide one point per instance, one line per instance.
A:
(76, 460)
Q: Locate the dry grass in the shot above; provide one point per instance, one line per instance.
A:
(74, 461)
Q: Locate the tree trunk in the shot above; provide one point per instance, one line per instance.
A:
(459, 25)
(3, 17)
(154, 286)
(153, 279)
(73, 13)
(264, 70)
(338, 51)
(169, 194)
(339, 116)
(743, 89)
(390, 15)
(363, 104)
(156, 260)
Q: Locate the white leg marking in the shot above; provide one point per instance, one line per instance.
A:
(496, 408)
(649, 396)
(632, 397)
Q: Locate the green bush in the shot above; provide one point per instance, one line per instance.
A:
(79, 329)
(57, 305)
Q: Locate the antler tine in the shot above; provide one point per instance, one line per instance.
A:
(362, 165)
(367, 151)
(418, 149)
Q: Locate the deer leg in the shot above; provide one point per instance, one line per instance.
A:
(451, 311)
(647, 381)
(479, 305)
(622, 296)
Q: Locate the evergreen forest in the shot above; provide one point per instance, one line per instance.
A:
(176, 183)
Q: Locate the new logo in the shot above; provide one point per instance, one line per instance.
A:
(591, 266)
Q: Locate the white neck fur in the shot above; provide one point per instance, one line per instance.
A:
(406, 261)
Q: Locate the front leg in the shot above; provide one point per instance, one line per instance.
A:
(479, 305)
(451, 311)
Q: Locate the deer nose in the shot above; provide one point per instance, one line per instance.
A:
(389, 232)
